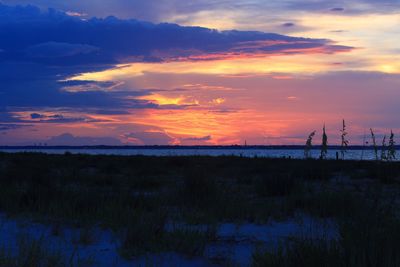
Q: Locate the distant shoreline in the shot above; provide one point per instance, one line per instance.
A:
(268, 147)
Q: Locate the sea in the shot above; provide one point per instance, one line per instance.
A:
(265, 152)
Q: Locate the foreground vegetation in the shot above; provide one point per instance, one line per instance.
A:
(142, 198)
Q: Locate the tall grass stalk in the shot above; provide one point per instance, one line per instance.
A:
(384, 149)
(308, 147)
(324, 145)
(375, 147)
(345, 142)
(391, 154)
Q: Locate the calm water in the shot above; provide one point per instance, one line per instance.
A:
(357, 154)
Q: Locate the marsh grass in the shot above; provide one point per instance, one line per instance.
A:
(145, 233)
(199, 188)
(326, 204)
(56, 229)
(364, 241)
(136, 196)
(300, 252)
(86, 236)
(148, 233)
(280, 184)
(35, 253)
(189, 241)
(369, 234)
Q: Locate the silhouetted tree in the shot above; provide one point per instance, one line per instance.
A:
(307, 149)
(391, 154)
(345, 142)
(374, 144)
(324, 145)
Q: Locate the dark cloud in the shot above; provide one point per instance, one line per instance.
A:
(337, 9)
(59, 118)
(338, 31)
(34, 85)
(27, 33)
(57, 50)
(37, 116)
(288, 24)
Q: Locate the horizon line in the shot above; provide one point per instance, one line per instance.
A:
(350, 147)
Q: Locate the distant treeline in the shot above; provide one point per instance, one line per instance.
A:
(289, 147)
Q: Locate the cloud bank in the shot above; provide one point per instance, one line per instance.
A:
(29, 34)
(42, 48)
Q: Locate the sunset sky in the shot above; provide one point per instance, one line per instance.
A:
(204, 72)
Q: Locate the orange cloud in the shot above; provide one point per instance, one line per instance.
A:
(218, 101)
(165, 100)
